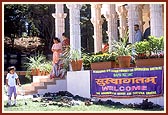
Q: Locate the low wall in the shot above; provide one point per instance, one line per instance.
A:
(78, 83)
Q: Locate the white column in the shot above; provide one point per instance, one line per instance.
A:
(123, 21)
(132, 20)
(111, 16)
(97, 24)
(75, 33)
(140, 17)
(156, 20)
(59, 16)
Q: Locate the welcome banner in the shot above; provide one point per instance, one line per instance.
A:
(129, 82)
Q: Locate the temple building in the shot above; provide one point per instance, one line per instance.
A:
(145, 15)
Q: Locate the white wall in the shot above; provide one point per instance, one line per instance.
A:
(78, 83)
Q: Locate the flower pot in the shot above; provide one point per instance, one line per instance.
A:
(150, 62)
(38, 73)
(42, 73)
(76, 65)
(47, 73)
(79, 65)
(33, 72)
(124, 61)
(103, 65)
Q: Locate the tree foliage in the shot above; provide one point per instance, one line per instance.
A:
(34, 20)
(37, 20)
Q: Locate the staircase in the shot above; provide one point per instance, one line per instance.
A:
(39, 83)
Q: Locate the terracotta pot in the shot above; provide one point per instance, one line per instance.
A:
(79, 65)
(150, 62)
(42, 73)
(103, 65)
(38, 73)
(76, 65)
(47, 73)
(132, 65)
(33, 72)
(117, 65)
(124, 61)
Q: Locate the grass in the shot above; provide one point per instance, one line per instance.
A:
(36, 106)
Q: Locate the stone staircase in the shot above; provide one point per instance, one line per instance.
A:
(41, 83)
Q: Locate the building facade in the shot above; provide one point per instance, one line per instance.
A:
(127, 14)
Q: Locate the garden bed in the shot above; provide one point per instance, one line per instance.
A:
(150, 62)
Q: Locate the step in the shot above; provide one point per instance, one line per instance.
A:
(40, 87)
(28, 92)
(37, 84)
(47, 80)
(28, 87)
(49, 83)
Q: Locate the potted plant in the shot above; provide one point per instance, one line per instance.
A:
(152, 52)
(75, 60)
(142, 49)
(123, 51)
(42, 69)
(48, 67)
(45, 68)
(34, 62)
(102, 61)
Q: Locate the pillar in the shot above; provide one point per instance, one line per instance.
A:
(123, 21)
(140, 16)
(59, 16)
(75, 32)
(111, 17)
(133, 19)
(156, 20)
(97, 24)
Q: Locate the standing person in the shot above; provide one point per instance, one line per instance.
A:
(57, 50)
(138, 33)
(65, 42)
(11, 84)
(147, 32)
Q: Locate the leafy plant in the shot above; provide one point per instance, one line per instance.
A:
(156, 44)
(153, 48)
(122, 48)
(142, 47)
(103, 57)
(75, 55)
(48, 66)
(92, 58)
(34, 62)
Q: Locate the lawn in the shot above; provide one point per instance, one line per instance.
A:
(37, 106)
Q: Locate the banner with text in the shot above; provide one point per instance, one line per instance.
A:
(128, 82)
